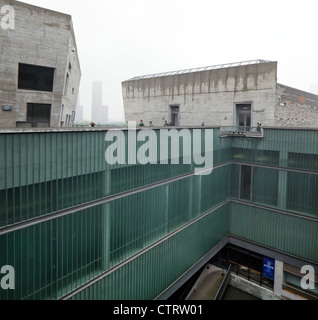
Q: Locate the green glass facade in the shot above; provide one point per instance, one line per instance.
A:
(75, 227)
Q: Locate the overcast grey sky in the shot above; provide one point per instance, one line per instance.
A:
(120, 39)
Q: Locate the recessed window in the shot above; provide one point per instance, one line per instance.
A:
(174, 115)
(39, 115)
(36, 78)
(244, 115)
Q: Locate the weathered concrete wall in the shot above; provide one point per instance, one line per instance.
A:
(40, 37)
(71, 92)
(207, 96)
(296, 108)
(253, 289)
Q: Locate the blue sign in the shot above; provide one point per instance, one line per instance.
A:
(6, 108)
(268, 268)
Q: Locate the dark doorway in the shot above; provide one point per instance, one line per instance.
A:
(244, 115)
(174, 115)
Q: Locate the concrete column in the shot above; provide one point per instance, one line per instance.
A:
(278, 280)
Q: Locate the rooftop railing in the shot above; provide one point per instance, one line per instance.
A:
(200, 69)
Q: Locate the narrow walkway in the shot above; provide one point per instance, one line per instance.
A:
(207, 285)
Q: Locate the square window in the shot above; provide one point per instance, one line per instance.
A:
(39, 115)
(36, 78)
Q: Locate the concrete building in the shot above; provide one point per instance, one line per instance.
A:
(39, 68)
(236, 94)
(99, 111)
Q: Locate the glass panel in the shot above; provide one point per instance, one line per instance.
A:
(303, 161)
(267, 157)
(246, 176)
(265, 186)
(302, 193)
(241, 120)
(248, 120)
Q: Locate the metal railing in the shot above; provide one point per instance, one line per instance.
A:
(200, 69)
(214, 67)
(224, 284)
(241, 131)
(296, 291)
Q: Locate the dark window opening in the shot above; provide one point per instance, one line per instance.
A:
(246, 183)
(35, 78)
(39, 115)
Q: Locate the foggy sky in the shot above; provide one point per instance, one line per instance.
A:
(120, 39)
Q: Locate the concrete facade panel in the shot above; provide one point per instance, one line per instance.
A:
(208, 96)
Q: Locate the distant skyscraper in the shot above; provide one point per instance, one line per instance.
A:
(99, 111)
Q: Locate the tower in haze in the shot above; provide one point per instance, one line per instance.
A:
(99, 111)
